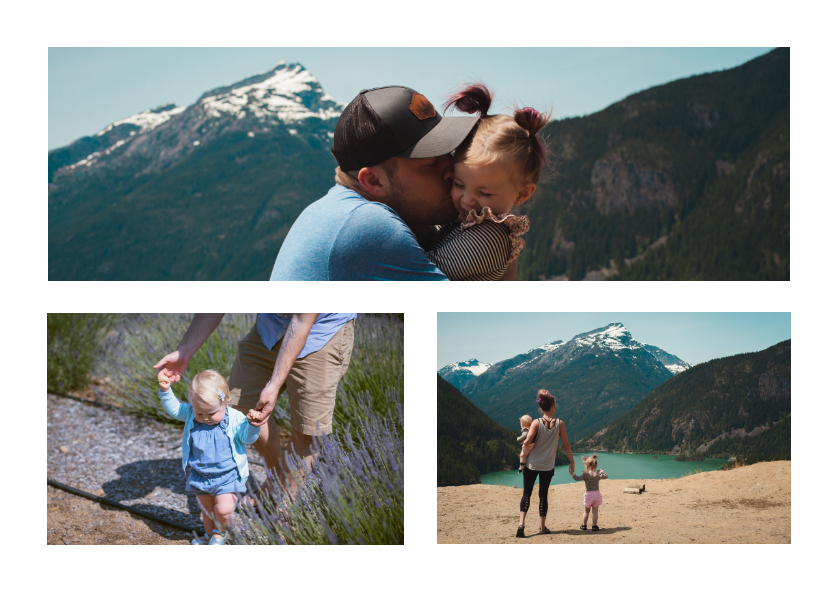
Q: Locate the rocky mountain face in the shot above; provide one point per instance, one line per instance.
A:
(596, 376)
(458, 374)
(469, 443)
(206, 191)
(671, 362)
(739, 405)
(688, 180)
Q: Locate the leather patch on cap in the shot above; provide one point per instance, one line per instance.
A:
(422, 107)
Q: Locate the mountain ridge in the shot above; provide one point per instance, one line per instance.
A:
(722, 407)
(596, 376)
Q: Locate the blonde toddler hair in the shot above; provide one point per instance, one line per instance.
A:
(208, 386)
(525, 420)
(590, 462)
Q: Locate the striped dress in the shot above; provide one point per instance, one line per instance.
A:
(479, 249)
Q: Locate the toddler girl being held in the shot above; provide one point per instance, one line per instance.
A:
(212, 450)
(592, 497)
(525, 423)
(496, 169)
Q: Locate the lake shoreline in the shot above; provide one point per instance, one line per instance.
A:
(617, 466)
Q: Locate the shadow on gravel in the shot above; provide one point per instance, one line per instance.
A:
(144, 480)
(583, 532)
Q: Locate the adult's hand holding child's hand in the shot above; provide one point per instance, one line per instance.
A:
(174, 365)
(265, 406)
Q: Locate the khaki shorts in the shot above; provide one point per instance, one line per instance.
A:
(312, 381)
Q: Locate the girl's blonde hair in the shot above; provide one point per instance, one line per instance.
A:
(525, 420)
(511, 141)
(590, 462)
(209, 386)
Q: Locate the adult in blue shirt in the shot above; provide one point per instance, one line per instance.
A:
(393, 185)
(306, 353)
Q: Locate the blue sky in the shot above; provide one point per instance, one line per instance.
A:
(694, 337)
(90, 88)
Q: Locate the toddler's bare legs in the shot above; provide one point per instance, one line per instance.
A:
(586, 515)
(208, 505)
(225, 506)
(221, 507)
(595, 515)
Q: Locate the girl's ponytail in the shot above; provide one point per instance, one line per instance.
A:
(471, 99)
(532, 121)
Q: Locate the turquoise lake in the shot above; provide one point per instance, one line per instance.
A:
(618, 466)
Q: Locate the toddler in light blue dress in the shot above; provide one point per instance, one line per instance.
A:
(212, 450)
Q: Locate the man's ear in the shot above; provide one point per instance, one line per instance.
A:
(375, 182)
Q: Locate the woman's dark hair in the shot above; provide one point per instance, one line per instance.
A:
(545, 400)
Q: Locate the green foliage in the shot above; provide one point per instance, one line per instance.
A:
(469, 443)
(722, 226)
(146, 338)
(701, 404)
(353, 495)
(375, 370)
(74, 343)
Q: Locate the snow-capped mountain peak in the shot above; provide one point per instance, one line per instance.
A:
(287, 92)
(473, 366)
(459, 373)
(287, 99)
(614, 336)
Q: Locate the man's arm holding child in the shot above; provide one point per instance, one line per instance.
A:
(201, 327)
(293, 341)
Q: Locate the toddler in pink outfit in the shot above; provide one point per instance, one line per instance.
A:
(592, 497)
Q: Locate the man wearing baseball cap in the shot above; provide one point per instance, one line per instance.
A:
(393, 185)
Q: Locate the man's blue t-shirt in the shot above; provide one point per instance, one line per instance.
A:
(343, 236)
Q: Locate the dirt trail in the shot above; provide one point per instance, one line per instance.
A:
(746, 505)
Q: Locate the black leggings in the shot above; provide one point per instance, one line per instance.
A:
(530, 478)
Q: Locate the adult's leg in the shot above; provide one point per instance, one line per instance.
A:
(529, 477)
(313, 382)
(545, 482)
(251, 371)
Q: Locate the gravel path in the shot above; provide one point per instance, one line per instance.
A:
(130, 459)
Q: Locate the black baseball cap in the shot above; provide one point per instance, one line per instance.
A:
(394, 122)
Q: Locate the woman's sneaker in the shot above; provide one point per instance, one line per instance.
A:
(217, 539)
(200, 540)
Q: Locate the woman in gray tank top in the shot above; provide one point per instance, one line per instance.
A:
(545, 432)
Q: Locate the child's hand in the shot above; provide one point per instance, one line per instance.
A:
(164, 381)
(253, 416)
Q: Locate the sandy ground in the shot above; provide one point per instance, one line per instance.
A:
(748, 505)
(75, 520)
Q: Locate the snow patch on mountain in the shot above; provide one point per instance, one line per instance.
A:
(472, 366)
(275, 94)
(147, 120)
(615, 336)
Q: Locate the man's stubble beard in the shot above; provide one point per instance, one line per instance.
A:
(413, 212)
